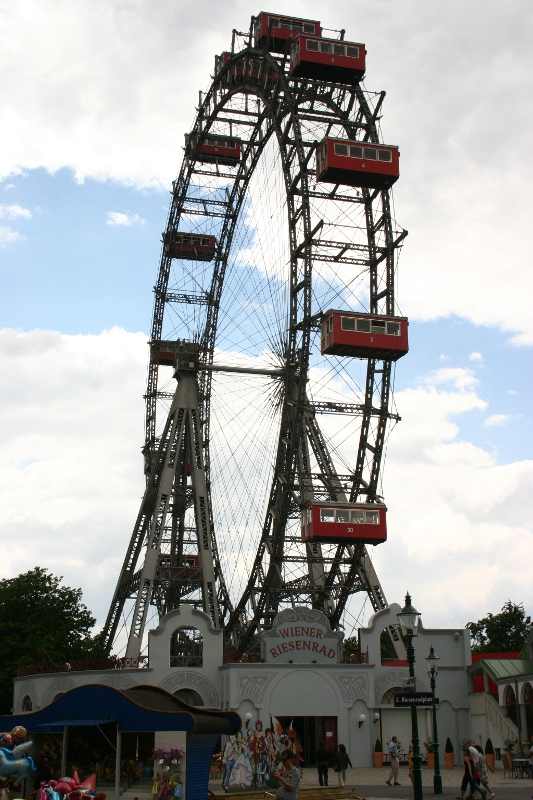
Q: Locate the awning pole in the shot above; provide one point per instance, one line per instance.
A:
(64, 747)
(117, 763)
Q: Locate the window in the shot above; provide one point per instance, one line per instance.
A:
(363, 325)
(371, 153)
(341, 150)
(311, 44)
(339, 50)
(356, 151)
(186, 648)
(385, 155)
(371, 517)
(325, 47)
(274, 23)
(347, 323)
(327, 515)
(330, 324)
(352, 52)
(357, 516)
(309, 27)
(393, 328)
(378, 326)
(342, 515)
(283, 23)
(297, 26)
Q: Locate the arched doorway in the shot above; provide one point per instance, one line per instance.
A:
(189, 696)
(509, 701)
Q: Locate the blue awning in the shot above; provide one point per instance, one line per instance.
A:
(143, 708)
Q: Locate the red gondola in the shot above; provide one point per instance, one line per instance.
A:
(253, 71)
(349, 333)
(345, 522)
(327, 59)
(274, 32)
(375, 166)
(193, 246)
(213, 148)
(164, 353)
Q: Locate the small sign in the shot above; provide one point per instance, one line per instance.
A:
(405, 699)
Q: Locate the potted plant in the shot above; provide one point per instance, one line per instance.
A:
(448, 754)
(430, 754)
(489, 755)
(377, 755)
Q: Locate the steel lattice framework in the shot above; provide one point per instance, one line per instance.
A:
(252, 97)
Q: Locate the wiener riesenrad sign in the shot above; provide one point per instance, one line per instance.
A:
(301, 635)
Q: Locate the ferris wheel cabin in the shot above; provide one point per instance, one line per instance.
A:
(348, 333)
(212, 148)
(327, 59)
(194, 246)
(274, 32)
(338, 523)
(239, 71)
(352, 163)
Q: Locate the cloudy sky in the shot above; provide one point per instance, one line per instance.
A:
(96, 97)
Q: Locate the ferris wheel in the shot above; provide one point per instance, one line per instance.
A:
(274, 337)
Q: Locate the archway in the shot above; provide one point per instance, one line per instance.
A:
(509, 701)
(189, 696)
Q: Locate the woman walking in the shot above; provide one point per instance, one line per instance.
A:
(342, 762)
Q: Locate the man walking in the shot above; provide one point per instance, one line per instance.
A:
(288, 777)
(322, 763)
(394, 752)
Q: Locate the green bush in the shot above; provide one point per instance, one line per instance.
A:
(489, 749)
(378, 747)
(448, 747)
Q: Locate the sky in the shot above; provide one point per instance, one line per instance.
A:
(96, 99)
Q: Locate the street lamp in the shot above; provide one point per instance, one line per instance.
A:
(433, 671)
(408, 619)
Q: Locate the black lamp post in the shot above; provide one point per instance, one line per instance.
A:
(408, 619)
(433, 671)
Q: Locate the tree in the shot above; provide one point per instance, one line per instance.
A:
(501, 632)
(41, 622)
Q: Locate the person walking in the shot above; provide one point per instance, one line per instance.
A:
(475, 783)
(288, 777)
(394, 752)
(322, 764)
(342, 762)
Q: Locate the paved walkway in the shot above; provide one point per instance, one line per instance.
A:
(370, 783)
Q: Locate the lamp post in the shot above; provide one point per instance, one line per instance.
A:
(433, 671)
(408, 619)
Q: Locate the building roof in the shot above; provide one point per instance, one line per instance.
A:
(506, 669)
(143, 708)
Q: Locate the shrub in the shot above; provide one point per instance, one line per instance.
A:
(448, 747)
(378, 747)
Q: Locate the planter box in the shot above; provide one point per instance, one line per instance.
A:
(377, 759)
(490, 760)
(430, 760)
(449, 760)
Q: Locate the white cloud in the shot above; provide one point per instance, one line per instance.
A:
(8, 235)
(458, 377)
(14, 212)
(476, 357)
(496, 420)
(124, 219)
(71, 477)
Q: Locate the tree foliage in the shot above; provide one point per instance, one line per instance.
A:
(502, 632)
(42, 622)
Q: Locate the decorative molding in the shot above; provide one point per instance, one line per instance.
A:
(183, 617)
(177, 680)
(353, 687)
(388, 681)
(252, 687)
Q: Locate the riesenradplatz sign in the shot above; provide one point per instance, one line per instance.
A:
(409, 698)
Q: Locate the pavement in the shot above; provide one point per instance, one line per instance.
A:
(370, 783)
